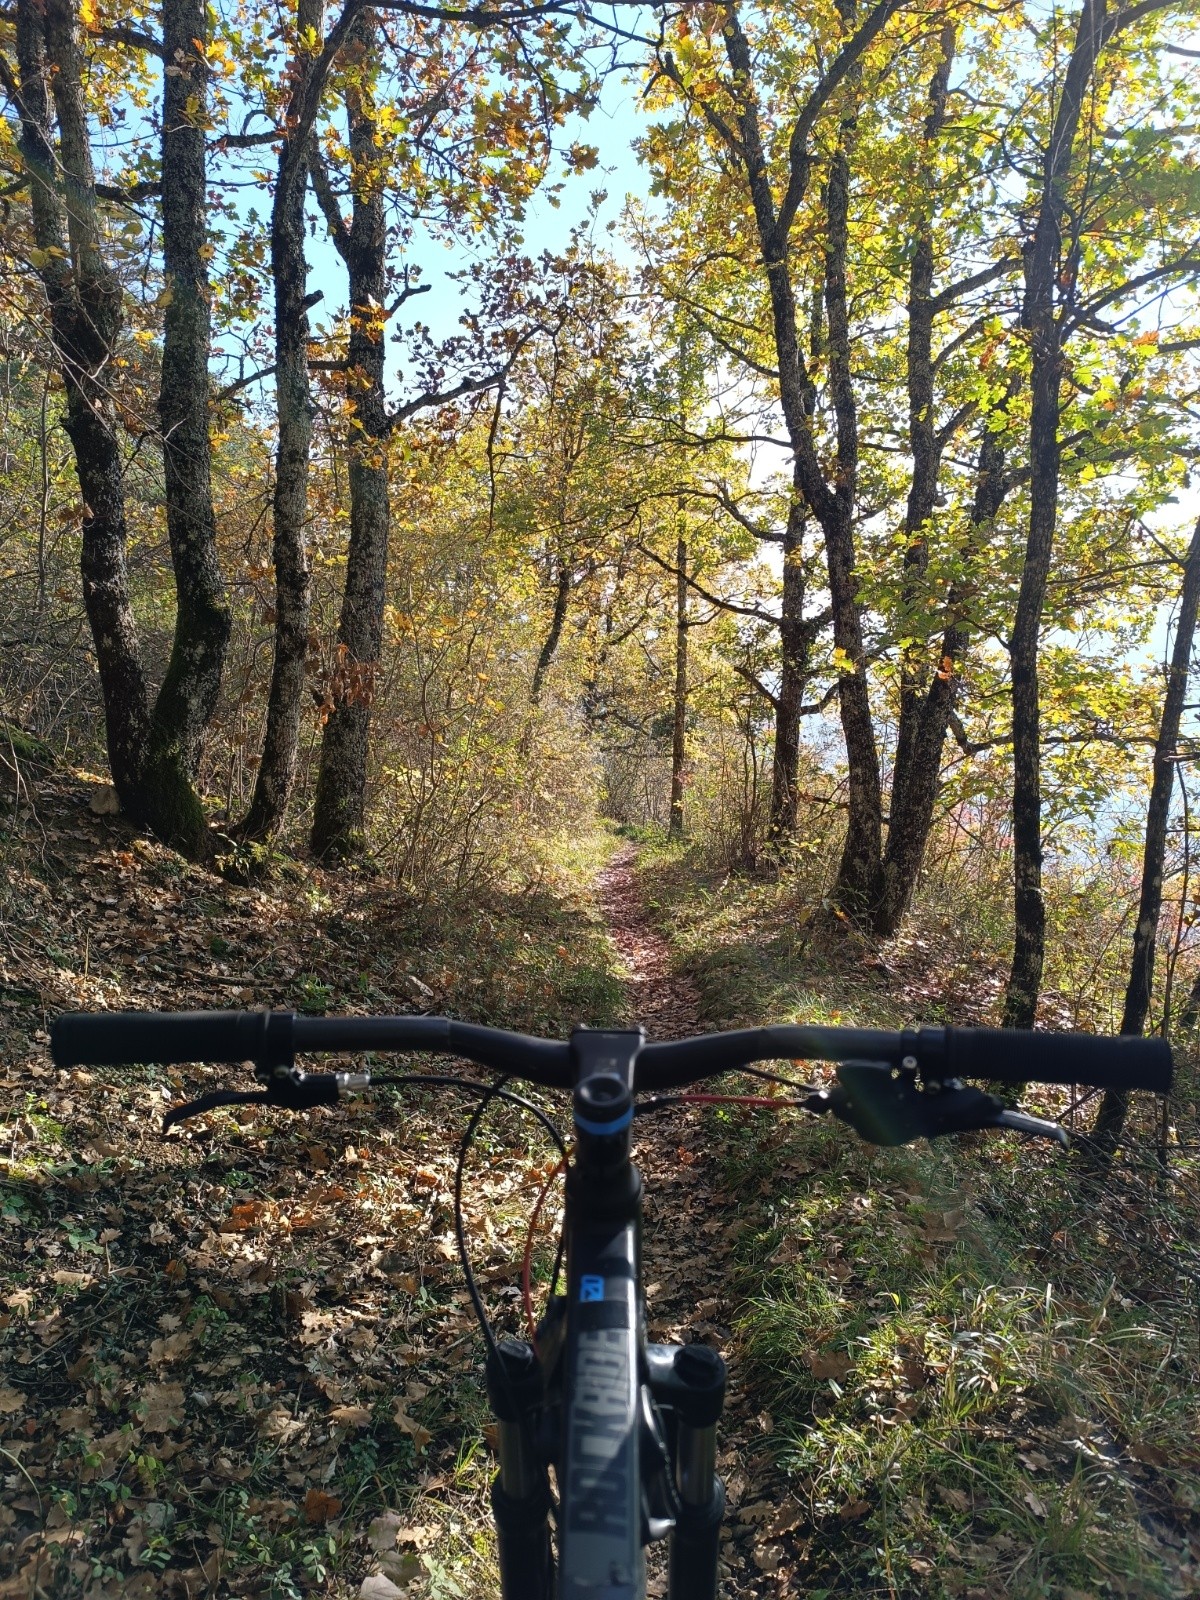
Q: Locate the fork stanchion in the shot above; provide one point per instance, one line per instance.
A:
(695, 1547)
(520, 1498)
(690, 1380)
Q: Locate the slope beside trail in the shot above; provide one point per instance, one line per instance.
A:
(690, 1222)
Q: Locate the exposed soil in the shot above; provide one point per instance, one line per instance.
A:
(665, 1003)
(690, 1222)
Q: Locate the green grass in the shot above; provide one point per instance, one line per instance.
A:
(978, 1381)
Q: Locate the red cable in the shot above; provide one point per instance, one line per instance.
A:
(770, 1101)
(527, 1262)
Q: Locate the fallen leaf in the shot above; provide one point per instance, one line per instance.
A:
(420, 1436)
(383, 1531)
(350, 1416)
(789, 1516)
(1035, 1503)
(243, 1217)
(72, 1280)
(956, 1499)
(11, 1400)
(320, 1508)
(377, 1587)
(829, 1363)
(171, 1348)
(401, 1566)
(163, 1406)
(853, 1510)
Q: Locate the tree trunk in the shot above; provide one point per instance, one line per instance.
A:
(84, 297)
(188, 695)
(918, 766)
(923, 710)
(833, 506)
(1113, 1108)
(277, 767)
(562, 596)
(85, 313)
(796, 636)
(856, 887)
(338, 818)
(679, 731)
(1042, 268)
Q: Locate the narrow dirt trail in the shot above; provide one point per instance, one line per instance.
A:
(665, 1004)
(689, 1216)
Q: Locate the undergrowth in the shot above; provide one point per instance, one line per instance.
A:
(979, 1372)
(241, 1361)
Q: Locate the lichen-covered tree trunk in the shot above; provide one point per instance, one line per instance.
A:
(1040, 315)
(796, 635)
(917, 773)
(925, 698)
(86, 317)
(558, 616)
(289, 272)
(831, 503)
(856, 887)
(188, 695)
(85, 314)
(679, 727)
(1110, 1122)
(338, 817)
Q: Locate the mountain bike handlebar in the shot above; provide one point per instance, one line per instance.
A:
(271, 1038)
(629, 1428)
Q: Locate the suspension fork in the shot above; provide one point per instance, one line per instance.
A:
(520, 1498)
(689, 1382)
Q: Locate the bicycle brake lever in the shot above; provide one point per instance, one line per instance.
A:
(289, 1087)
(1021, 1122)
(209, 1102)
(887, 1107)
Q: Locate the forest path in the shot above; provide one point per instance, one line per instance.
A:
(691, 1219)
(666, 1004)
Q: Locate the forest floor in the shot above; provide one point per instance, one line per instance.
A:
(240, 1361)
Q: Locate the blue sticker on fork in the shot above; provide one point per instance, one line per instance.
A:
(591, 1287)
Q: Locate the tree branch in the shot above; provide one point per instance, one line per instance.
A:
(445, 397)
(799, 161)
(705, 594)
(323, 189)
(977, 280)
(230, 389)
(756, 682)
(130, 194)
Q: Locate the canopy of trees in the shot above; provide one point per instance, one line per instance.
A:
(833, 505)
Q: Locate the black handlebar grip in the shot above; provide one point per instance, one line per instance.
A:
(1126, 1061)
(115, 1038)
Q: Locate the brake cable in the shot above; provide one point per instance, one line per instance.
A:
(527, 1258)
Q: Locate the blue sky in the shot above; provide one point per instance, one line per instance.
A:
(613, 125)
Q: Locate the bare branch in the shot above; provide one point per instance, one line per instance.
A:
(706, 594)
(230, 389)
(756, 682)
(977, 280)
(487, 380)
(129, 194)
